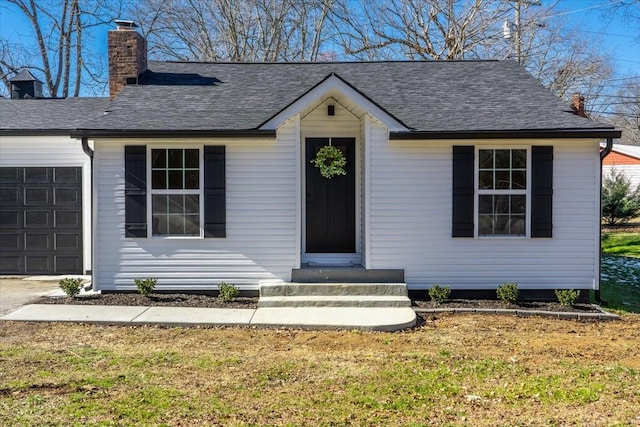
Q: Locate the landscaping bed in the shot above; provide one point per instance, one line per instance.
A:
(208, 301)
(155, 300)
(486, 304)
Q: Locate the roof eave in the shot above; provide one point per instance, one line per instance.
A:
(35, 132)
(503, 134)
(171, 133)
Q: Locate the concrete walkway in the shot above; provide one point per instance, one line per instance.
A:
(365, 318)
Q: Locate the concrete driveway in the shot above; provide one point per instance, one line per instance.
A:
(17, 291)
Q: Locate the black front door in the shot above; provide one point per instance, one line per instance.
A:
(331, 206)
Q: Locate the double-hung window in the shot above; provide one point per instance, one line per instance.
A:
(502, 192)
(175, 191)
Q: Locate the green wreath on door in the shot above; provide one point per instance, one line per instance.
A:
(330, 161)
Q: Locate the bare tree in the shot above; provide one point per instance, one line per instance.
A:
(56, 48)
(476, 29)
(419, 29)
(629, 10)
(560, 57)
(624, 111)
(235, 30)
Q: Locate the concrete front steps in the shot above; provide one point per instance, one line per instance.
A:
(370, 306)
(346, 275)
(288, 294)
(333, 295)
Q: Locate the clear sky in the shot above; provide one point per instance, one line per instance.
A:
(617, 38)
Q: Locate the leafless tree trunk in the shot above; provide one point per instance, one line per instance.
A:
(420, 29)
(58, 28)
(235, 30)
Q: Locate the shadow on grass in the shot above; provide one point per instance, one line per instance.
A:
(620, 283)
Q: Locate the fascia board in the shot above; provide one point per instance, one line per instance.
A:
(322, 90)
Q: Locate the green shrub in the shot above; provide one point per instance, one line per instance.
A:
(508, 292)
(70, 286)
(439, 294)
(567, 297)
(227, 292)
(620, 201)
(146, 286)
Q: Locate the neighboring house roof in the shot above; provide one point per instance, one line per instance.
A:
(48, 115)
(24, 76)
(430, 98)
(627, 150)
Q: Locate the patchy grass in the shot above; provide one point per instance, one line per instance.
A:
(620, 283)
(454, 370)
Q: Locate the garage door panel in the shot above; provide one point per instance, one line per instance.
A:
(10, 242)
(37, 242)
(9, 196)
(10, 219)
(35, 196)
(40, 220)
(66, 242)
(66, 196)
(67, 219)
(9, 175)
(67, 263)
(11, 264)
(67, 175)
(35, 175)
(38, 264)
(37, 219)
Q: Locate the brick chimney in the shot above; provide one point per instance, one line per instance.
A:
(127, 51)
(577, 105)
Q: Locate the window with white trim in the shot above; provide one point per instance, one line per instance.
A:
(175, 191)
(502, 192)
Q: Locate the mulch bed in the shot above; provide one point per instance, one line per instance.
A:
(208, 301)
(156, 300)
(497, 305)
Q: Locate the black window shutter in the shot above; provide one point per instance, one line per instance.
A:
(135, 190)
(463, 191)
(541, 191)
(215, 211)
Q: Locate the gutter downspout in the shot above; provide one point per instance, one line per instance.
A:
(604, 153)
(89, 152)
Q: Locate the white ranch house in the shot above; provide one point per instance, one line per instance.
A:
(461, 173)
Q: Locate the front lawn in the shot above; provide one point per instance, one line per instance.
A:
(621, 244)
(454, 370)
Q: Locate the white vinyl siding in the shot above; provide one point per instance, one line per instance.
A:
(53, 151)
(261, 221)
(411, 208)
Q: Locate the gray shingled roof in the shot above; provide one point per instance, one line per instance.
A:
(431, 96)
(24, 76)
(60, 115)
